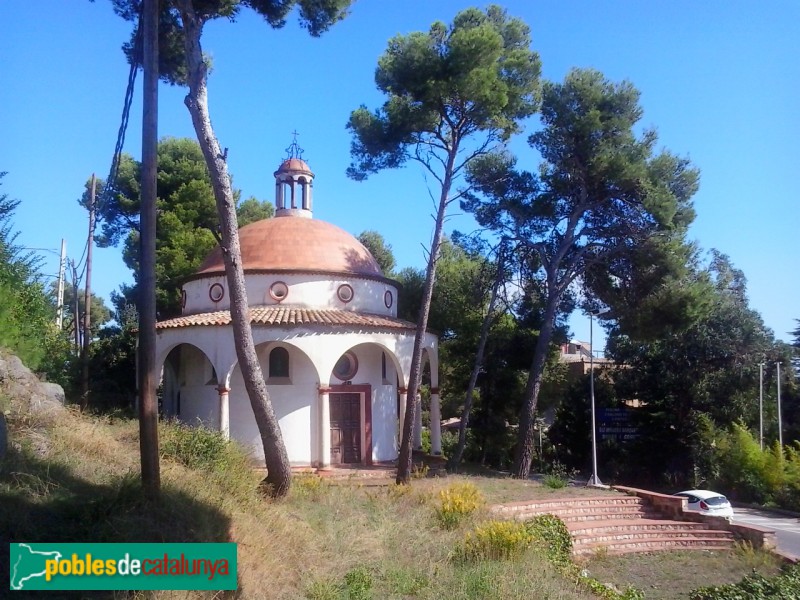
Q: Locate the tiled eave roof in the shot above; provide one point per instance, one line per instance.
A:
(284, 316)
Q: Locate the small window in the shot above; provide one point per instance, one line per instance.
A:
(216, 292)
(388, 299)
(345, 293)
(279, 363)
(346, 367)
(278, 291)
(183, 299)
(383, 365)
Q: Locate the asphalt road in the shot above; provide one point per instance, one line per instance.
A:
(787, 529)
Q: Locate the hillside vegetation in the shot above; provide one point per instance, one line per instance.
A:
(72, 477)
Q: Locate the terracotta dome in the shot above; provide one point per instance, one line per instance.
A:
(295, 244)
(292, 165)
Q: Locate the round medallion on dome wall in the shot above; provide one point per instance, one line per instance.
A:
(278, 291)
(216, 292)
(345, 292)
(346, 367)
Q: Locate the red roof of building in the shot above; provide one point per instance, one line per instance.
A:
(286, 316)
(297, 244)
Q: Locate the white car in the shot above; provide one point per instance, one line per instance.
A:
(708, 503)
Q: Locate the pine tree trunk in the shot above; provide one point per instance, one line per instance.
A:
(523, 455)
(404, 460)
(279, 473)
(455, 460)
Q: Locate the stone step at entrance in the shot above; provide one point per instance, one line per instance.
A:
(619, 524)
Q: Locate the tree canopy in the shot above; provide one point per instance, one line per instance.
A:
(444, 85)
(600, 190)
(380, 250)
(452, 94)
(316, 16)
(27, 325)
(187, 218)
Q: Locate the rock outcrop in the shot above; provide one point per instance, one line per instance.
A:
(25, 399)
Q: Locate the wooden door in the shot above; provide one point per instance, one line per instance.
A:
(345, 428)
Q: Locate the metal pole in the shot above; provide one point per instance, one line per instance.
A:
(780, 426)
(761, 404)
(87, 308)
(594, 479)
(62, 265)
(76, 309)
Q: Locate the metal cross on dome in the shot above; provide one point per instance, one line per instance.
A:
(294, 150)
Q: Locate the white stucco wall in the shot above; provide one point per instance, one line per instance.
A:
(317, 291)
(313, 352)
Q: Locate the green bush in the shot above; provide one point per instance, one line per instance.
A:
(551, 537)
(449, 442)
(785, 586)
(554, 481)
(358, 584)
(747, 473)
(558, 475)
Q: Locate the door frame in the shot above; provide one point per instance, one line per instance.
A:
(365, 392)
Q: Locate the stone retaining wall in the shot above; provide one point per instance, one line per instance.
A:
(675, 507)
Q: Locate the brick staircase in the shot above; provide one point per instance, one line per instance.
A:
(619, 524)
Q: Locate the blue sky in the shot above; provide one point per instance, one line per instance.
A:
(719, 80)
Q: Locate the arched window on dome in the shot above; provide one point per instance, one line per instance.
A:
(279, 195)
(305, 195)
(278, 366)
(288, 193)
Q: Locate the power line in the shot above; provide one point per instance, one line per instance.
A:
(135, 60)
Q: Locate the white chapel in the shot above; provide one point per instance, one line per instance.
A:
(335, 357)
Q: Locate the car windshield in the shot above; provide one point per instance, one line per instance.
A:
(716, 501)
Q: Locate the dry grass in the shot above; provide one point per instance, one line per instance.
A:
(672, 575)
(327, 541)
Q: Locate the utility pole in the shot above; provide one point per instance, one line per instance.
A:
(780, 425)
(87, 318)
(761, 404)
(76, 309)
(146, 380)
(62, 265)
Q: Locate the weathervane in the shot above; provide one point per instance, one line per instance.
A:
(294, 150)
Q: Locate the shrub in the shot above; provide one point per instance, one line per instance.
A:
(743, 466)
(358, 584)
(558, 475)
(495, 540)
(196, 447)
(309, 485)
(554, 482)
(553, 536)
(449, 443)
(756, 587)
(457, 502)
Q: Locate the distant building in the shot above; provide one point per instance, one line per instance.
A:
(577, 356)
